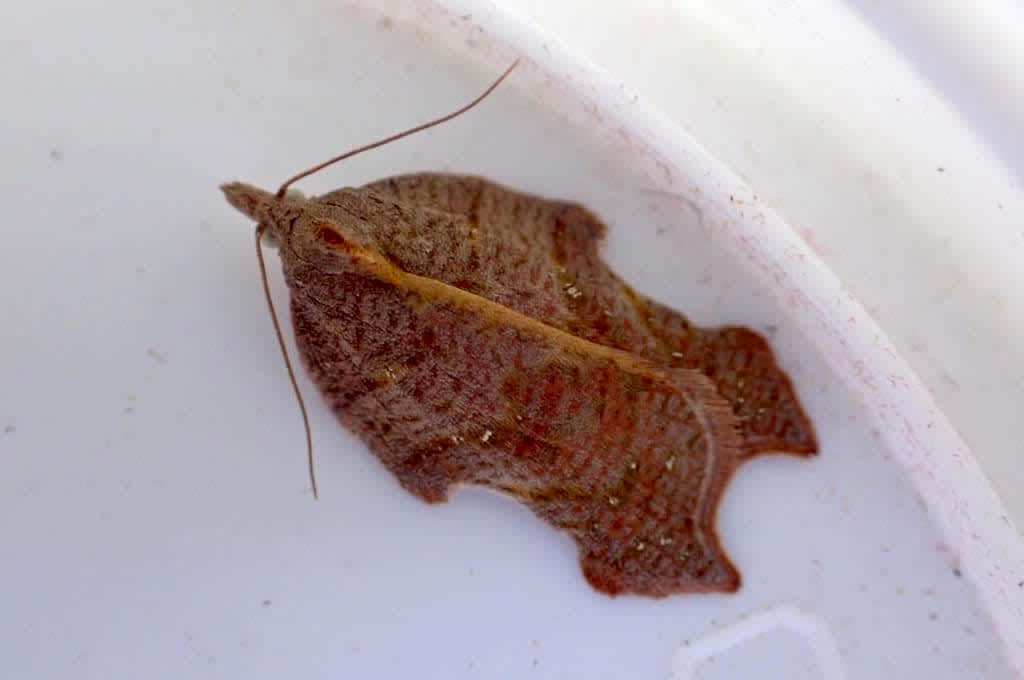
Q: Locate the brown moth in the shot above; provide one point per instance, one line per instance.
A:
(470, 334)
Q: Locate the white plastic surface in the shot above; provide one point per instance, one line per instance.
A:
(154, 510)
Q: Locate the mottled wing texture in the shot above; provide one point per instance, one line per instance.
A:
(541, 258)
(472, 335)
(628, 457)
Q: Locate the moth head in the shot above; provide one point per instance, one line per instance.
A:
(277, 215)
(314, 236)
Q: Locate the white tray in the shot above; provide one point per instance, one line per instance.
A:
(154, 508)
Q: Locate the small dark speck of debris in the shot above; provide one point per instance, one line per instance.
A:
(266, 603)
(9, 429)
(1020, 584)
(385, 23)
(157, 356)
(933, 616)
(957, 572)
(56, 154)
(940, 169)
(950, 381)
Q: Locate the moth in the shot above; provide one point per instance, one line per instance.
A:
(471, 334)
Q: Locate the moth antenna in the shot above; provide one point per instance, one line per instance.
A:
(260, 228)
(393, 138)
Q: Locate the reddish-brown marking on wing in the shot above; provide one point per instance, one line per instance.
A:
(329, 236)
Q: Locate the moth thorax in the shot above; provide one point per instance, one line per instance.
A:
(269, 238)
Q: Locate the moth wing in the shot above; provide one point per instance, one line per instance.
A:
(744, 369)
(493, 206)
(671, 512)
(739, 361)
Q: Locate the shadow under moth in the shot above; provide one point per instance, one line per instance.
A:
(472, 334)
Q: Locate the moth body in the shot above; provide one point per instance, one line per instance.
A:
(471, 335)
